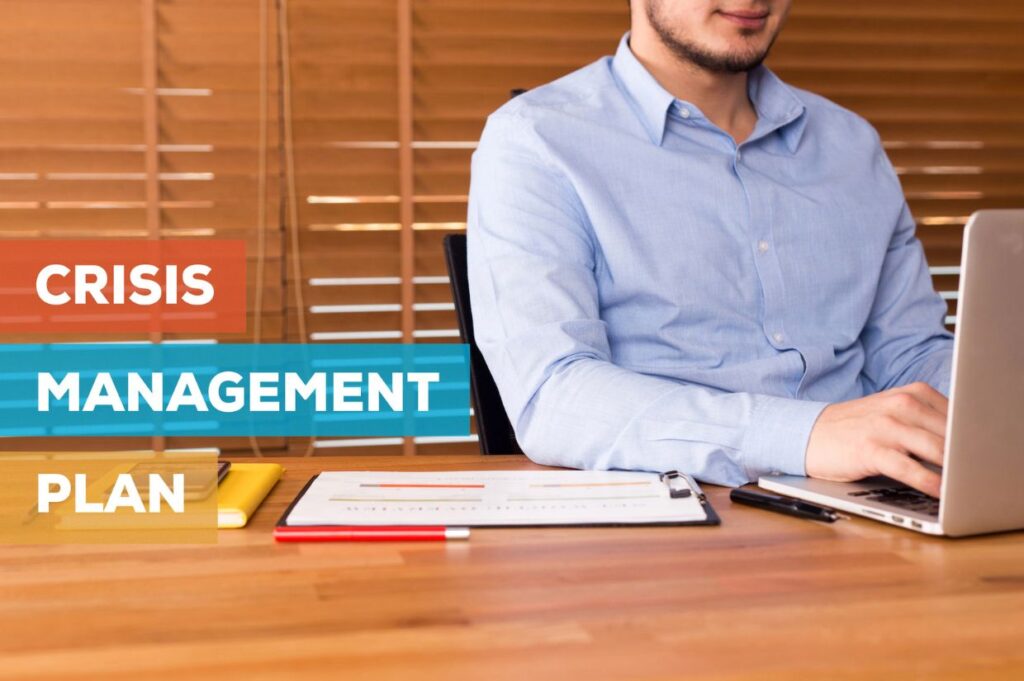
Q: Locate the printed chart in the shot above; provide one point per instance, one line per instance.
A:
(498, 498)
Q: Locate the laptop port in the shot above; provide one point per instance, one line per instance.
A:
(897, 518)
(916, 525)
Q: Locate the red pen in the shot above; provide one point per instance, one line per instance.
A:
(299, 533)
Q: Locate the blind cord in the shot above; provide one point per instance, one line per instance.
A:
(261, 193)
(289, 159)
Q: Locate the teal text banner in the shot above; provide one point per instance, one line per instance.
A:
(114, 389)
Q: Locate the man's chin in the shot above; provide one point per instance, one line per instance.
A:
(738, 52)
(733, 62)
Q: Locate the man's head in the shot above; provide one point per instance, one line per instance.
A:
(720, 36)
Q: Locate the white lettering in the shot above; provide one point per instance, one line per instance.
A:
(90, 280)
(152, 393)
(235, 392)
(193, 279)
(229, 391)
(46, 495)
(171, 294)
(377, 388)
(103, 394)
(259, 391)
(83, 505)
(158, 490)
(293, 385)
(118, 285)
(423, 380)
(140, 280)
(341, 391)
(54, 488)
(187, 394)
(42, 285)
(125, 494)
(48, 385)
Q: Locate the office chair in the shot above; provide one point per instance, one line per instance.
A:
(492, 424)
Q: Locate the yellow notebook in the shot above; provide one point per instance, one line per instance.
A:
(243, 490)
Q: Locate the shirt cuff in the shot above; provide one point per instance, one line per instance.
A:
(776, 440)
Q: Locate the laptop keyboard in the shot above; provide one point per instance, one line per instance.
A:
(902, 497)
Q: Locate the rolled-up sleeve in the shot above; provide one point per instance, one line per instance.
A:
(535, 301)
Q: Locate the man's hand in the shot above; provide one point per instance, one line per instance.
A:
(876, 435)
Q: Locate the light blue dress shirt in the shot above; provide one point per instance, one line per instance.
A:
(649, 295)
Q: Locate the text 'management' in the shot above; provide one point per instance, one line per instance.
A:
(224, 389)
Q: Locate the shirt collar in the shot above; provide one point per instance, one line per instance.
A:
(650, 101)
(777, 106)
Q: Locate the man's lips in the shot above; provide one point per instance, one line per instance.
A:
(745, 18)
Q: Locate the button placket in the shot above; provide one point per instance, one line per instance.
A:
(766, 261)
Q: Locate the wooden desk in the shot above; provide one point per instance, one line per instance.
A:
(762, 596)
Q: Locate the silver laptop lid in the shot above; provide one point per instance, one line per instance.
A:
(983, 481)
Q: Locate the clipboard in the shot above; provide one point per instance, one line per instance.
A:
(460, 498)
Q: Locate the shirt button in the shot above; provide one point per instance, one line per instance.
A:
(739, 156)
(762, 246)
(778, 337)
(685, 113)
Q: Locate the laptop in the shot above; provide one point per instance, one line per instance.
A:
(983, 476)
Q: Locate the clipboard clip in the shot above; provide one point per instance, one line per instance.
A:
(681, 485)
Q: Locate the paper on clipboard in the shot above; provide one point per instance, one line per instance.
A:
(492, 498)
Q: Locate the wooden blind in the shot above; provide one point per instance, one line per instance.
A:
(389, 101)
(76, 133)
(219, 128)
(151, 119)
(343, 67)
(381, 103)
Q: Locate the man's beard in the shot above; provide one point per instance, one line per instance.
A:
(690, 52)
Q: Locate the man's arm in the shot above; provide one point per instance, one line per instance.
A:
(535, 306)
(905, 339)
(908, 357)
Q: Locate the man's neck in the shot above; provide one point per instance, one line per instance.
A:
(722, 97)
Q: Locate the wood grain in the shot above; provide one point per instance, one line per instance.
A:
(761, 597)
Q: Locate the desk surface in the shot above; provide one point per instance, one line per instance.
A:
(762, 596)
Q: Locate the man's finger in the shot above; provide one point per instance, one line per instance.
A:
(909, 409)
(927, 394)
(901, 467)
(920, 442)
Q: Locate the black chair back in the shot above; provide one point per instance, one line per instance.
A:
(492, 424)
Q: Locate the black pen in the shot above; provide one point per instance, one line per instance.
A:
(793, 507)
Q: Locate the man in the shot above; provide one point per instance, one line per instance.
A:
(677, 261)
